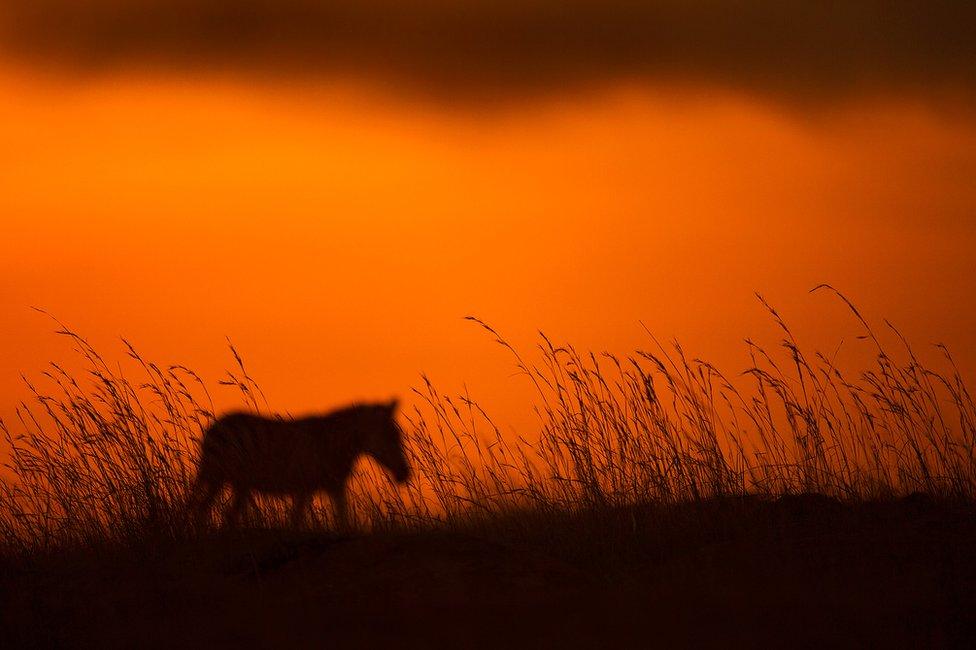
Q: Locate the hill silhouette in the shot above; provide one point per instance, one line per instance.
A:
(661, 504)
(803, 572)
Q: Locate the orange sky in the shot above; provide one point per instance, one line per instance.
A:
(338, 235)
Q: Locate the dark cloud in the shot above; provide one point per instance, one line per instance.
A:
(808, 50)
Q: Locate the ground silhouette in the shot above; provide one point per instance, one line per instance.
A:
(798, 571)
(639, 517)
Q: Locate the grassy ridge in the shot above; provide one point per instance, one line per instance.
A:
(108, 458)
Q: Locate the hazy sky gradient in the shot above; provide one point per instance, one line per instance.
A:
(335, 188)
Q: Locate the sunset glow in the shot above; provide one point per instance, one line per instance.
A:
(487, 324)
(338, 235)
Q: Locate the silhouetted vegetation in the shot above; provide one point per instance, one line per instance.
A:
(657, 487)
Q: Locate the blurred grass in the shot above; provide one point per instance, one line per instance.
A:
(107, 459)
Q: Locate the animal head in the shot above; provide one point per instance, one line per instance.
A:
(384, 440)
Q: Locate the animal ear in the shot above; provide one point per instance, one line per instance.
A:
(393, 404)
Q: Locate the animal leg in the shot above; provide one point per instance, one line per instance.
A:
(300, 503)
(341, 509)
(242, 497)
(201, 498)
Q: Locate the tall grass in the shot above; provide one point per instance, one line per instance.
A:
(110, 458)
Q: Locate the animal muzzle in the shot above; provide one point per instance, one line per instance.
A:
(402, 474)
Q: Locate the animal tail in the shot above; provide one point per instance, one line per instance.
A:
(208, 467)
(206, 483)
